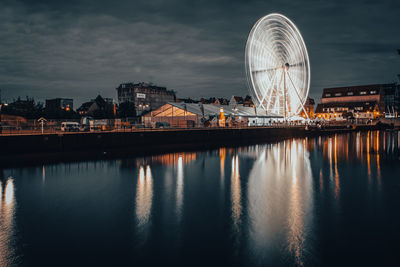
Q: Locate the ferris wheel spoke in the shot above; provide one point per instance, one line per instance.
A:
(271, 85)
(264, 70)
(276, 90)
(298, 64)
(298, 95)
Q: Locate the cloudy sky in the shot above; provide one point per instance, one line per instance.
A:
(79, 49)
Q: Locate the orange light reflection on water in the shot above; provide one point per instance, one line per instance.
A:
(7, 210)
(236, 192)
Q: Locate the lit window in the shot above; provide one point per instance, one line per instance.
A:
(327, 95)
(372, 92)
(338, 94)
(350, 93)
(363, 93)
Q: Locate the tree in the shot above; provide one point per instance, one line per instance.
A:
(126, 109)
(25, 108)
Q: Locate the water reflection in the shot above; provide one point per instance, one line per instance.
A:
(144, 195)
(174, 158)
(43, 174)
(280, 197)
(268, 209)
(222, 155)
(236, 193)
(170, 159)
(7, 207)
(179, 186)
(360, 147)
(364, 148)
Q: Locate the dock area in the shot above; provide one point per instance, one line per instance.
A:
(37, 148)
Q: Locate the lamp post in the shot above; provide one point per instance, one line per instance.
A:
(42, 120)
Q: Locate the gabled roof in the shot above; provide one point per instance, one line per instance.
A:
(85, 106)
(238, 99)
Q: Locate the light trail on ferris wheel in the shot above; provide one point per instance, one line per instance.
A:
(277, 66)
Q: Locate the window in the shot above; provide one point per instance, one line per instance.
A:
(350, 93)
(363, 93)
(338, 94)
(372, 92)
(327, 95)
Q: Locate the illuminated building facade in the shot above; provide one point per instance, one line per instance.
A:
(366, 101)
(144, 96)
(309, 108)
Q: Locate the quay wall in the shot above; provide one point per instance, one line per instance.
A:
(24, 149)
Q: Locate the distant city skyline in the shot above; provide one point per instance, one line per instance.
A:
(79, 49)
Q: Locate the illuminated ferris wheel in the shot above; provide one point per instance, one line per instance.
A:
(277, 66)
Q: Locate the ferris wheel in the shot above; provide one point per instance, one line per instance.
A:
(277, 66)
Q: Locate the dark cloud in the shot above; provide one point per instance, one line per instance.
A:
(81, 48)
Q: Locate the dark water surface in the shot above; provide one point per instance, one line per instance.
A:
(307, 202)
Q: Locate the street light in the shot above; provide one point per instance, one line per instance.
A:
(42, 120)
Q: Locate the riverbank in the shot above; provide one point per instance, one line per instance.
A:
(38, 148)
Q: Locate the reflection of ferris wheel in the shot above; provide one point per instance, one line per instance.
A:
(277, 66)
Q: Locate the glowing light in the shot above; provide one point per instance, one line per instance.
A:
(179, 185)
(9, 191)
(277, 66)
(222, 154)
(279, 193)
(236, 192)
(144, 196)
(7, 210)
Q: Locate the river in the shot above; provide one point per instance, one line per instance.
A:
(332, 200)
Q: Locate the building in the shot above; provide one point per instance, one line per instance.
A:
(248, 102)
(392, 100)
(221, 101)
(187, 100)
(366, 100)
(144, 96)
(197, 114)
(236, 100)
(309, 107)
(98, 108)
(57, 104)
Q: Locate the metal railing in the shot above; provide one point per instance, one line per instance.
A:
(54, 127)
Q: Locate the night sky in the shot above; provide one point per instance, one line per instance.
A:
(78, 49)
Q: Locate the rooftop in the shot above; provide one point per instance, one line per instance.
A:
(214, 110)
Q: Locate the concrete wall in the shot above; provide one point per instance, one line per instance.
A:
(21, 149)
